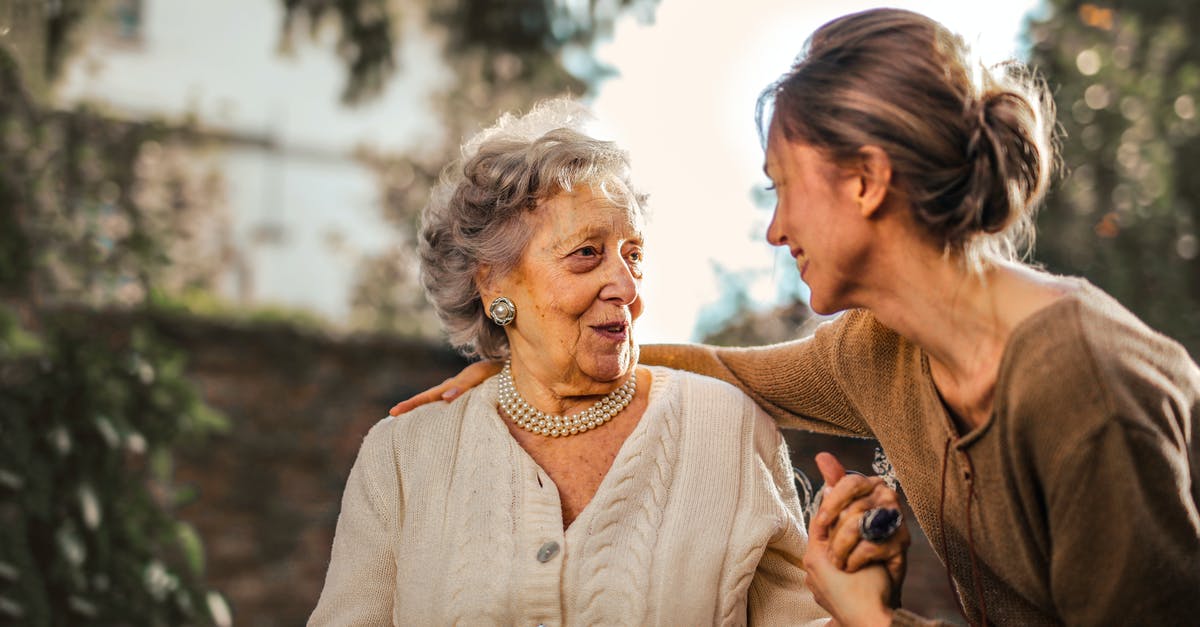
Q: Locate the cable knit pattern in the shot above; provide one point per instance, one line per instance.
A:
(692, 525)
(1083, 484)
(629, 524)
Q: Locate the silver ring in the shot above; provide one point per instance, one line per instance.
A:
(503, 311)
(879, 523)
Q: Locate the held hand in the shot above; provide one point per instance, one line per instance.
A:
(846, 500)
(451, 388)
(854, 599)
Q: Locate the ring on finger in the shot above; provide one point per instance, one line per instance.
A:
(879, 523)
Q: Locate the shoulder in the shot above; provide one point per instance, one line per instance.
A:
(422, 432)
(1089, 357)
(707, 401)
(425, 415)
(1123, 346)
(698, 393)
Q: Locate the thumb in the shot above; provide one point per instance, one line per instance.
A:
(831, 469)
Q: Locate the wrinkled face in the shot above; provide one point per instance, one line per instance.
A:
(817, 218)
(576, 290)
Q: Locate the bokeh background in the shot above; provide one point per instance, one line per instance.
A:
(207, 278)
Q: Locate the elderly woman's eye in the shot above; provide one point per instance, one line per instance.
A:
(635, 256)
(587, 251)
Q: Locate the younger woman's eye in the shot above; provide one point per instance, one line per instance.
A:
(770, 188)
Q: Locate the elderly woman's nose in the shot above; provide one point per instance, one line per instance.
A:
(622, 283)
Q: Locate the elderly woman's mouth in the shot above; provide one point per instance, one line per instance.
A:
(616, 331)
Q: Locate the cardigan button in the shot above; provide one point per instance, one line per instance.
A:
(547, 552)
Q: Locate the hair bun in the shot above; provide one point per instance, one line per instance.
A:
(1007, 171)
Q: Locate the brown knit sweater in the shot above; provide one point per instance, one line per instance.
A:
(1075, 503)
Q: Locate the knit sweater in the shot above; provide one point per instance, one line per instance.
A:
(447, 520)
(1075, 502)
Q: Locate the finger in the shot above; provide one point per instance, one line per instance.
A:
(845, 543)
(428, 396)
(898, 564)
(864, 553)
(845, 536)
(451, 388)
(891, 553)
(883, 496)
(849, 489)
(476, 373)
(818, 529)
(831, 469)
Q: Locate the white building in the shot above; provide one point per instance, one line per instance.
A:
(303, 211)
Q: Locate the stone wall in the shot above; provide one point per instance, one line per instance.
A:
(269, 490)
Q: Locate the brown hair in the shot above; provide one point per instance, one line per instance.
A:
(971, 148)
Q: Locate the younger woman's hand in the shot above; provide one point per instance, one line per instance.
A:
(854, 599)
(836, 524)
(451, 388)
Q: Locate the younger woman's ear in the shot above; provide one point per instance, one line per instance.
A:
(875, 179)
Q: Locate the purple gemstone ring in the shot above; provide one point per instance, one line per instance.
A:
(879, 523)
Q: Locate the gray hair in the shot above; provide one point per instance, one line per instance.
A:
(476, 214)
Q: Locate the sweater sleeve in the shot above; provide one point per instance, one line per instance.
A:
(360, 584)
(778, 593)
(1125, 532)
(795, 382)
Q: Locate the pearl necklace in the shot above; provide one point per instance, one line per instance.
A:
(534, 420)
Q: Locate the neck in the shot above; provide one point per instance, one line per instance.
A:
(961, 319)
(558, 395)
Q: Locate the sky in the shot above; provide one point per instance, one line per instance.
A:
(683, 104)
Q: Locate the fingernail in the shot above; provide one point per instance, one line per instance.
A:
(395, 411)
(449, 394)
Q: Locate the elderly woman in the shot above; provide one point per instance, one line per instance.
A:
(575, 487)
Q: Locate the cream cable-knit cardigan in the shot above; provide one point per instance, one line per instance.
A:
(447, 520)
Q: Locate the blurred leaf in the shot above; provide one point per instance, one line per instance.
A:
(193, 548)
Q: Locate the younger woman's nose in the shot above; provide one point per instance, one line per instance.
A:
(775, 234)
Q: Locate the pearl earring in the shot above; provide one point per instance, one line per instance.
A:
(503, 311)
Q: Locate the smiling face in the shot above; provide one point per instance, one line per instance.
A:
(819, 219)
(577, 292)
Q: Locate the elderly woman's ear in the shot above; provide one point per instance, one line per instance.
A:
(486, 284)
(497, 306)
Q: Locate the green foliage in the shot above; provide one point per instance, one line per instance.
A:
(86, 529)
(1127, 216)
